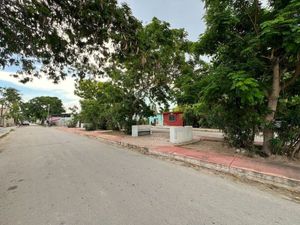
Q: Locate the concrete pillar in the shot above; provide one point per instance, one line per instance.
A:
(135, 131)
(180, 135)
(138, 130)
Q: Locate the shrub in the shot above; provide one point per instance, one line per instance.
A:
(72, 123)
(287, 128)
(90, 126)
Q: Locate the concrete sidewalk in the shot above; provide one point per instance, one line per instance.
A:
(282, 175)
(4, 131)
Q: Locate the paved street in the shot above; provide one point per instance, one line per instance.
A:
(49, 177)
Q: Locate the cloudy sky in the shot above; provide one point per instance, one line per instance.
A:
(180, 14)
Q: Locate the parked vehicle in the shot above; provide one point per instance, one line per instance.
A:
(25, 123)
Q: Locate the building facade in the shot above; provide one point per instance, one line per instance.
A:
(156, 120)
(173, 118)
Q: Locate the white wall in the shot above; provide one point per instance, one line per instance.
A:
(181, 134)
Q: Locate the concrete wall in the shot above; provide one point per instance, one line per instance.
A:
(181, 134)
(60, 121)
(64, 121)
(135, 129)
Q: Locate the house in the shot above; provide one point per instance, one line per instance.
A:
(156, 120)
(167, 119)
(173, 119)
(60, 120)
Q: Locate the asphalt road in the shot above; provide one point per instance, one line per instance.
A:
(49, 177)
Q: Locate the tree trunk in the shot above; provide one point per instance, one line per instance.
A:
(1, 116)
(296, 150)
(273, 96)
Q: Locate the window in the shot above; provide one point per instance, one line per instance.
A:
(172, 118)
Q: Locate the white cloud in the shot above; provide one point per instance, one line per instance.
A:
(265, 3)
(64, 89)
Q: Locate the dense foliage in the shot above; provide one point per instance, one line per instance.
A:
(255, 61)
(39, 108)
(135, 83)
(56, 38)
(10, 105)
(250, 84)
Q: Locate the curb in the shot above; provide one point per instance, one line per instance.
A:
(6, 133)
(141, 149)
(207, 130)
(188, 142)
(265, 178)
(282, 182)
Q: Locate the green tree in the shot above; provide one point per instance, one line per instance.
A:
(280, 41)
(57, 38)
(255, 57)
(142, 78)
(74, 116)
(187, 91)
(2, 101)
(187, 86)
(287, 141)
(37, 108)
(151, 72)
(92, 113)
(110, 105)
(10, 100)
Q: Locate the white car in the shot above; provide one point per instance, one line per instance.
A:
(25, 123)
